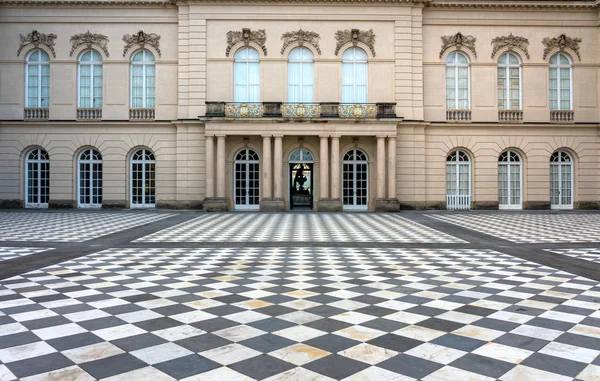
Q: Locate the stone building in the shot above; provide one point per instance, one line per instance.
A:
(278, 105)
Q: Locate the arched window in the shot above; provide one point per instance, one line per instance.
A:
(509, 180)
(561, 180)
(38, 79)
(247, 179)
(300, 76)
(458, 180)
(142, 180)
(457, 82)
(354, 76)
(89, 189)
(355, 181)
(246, 76)
(37, 179)
(90, 80)
(301, 179)
(143, 80)
(560, 82)
(509, 82)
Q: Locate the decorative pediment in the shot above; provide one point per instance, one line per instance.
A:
(301, 37)
(142, 39)
(561, 42)
(458, 41)
(355, 36)
(511, 42)
(246, 36)
(88, 39)
(36, 38)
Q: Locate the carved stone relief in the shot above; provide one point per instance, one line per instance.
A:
(246, 36)
(561, 42)
(301, 37)
(36, 38)
(458, 41)
(88, 39)
(355, 36)
(142, 39)
(511, 42)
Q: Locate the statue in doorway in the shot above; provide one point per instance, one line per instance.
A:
(299, 181)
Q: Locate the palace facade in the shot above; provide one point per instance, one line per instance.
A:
(299, 104)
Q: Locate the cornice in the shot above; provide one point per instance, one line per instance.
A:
(539, 4)
(86, 3)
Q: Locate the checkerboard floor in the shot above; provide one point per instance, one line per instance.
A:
(587, 254)
(7, 253)
(531, 228)
(299, 314)
(313, 227)
(69, 226)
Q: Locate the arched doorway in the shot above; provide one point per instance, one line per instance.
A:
(458, 180)
(143, 179)
(89, 186)
(301, 179)
(510, 176)
(37, 179)
(561, 180)
(355, 180)
(246, 182)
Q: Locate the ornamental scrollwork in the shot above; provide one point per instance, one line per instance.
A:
(246, 36)
(142, 39)
(511, 42)
(88, 39)
(561, 42)
(36, 38)
(355, 36)
(301, 37)
(458, 41)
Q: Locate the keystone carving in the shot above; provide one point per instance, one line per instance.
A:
(246, 36)
(561, 42)
(458, 41)
(36, 38)
(355, 36)
(142, 39)
(511, 42)
(301, 37)
(88, 39)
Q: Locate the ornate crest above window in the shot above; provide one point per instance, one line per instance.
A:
(561, 42)
(246, 36)
(88, 39)
(36, 38)
(511, 42)
(458, 41)
(355, 36)
(301, 37)
(141, 39)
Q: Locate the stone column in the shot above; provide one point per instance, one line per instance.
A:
(266, 168)
(210, 167)
(380, 167)
(324, 172)
(335, 167)
(391, 169)
(221, 166)
(278, 168)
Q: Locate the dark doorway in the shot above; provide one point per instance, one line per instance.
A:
(301, 186)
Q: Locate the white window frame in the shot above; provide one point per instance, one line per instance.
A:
(144, 63)
(91, 64)
(354, 163)
(458, 201)
(143, 161)
(507, 66)
(302, 62)
(455, 65)
(91, 162)
(38, 162)
(559, 164)
(39, 64)
(558, 67)
(508, 164)
(354, 62)
(246, 62)
(247, 162)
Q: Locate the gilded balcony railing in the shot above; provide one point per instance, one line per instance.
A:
(458, 115)
(510, 115)
(141, 114)
(357, 111)
(301, 110)
(89, 113)
(558, 116)
(36, 113)
(243, 110)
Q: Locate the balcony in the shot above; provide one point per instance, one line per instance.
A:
(89, 114)
(300, 111)
(141, 114)
(562, 116)
(36, 113)
(458, 115)
(510, 116)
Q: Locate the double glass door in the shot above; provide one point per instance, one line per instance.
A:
(355, 180)
(561, 181)
(246, 181)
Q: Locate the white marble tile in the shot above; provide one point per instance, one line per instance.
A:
(436, 353)
(92, 352)
(25, 351)
(299, 354)
(503, 352)
(368, 353)
(230, 353)
(162, 352)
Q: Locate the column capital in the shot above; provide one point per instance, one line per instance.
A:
(221, 136)
(336, 136)
(278, 136)
(324, 136)
(381, 136)
(266, 137)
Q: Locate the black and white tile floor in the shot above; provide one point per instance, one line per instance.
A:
(587, 254)
(7, 253)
